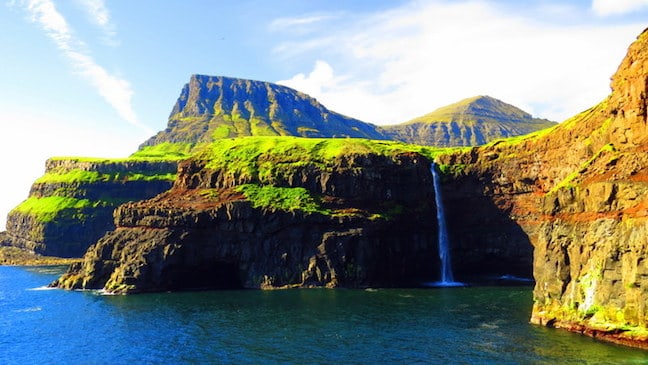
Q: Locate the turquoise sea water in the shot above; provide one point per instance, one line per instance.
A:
(478, 325)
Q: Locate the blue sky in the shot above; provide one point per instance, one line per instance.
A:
(98, 77)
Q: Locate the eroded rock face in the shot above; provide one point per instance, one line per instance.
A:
(187, 239)
(579, 195)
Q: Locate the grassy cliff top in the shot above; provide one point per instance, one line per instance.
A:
(240, 152)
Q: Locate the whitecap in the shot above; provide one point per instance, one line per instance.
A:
(32, 309)
(489, 326)
(104, 292)
(44, 287)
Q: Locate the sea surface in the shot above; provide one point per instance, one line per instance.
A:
(470, 325)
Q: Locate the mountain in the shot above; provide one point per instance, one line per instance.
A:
(215, 107)
(469, 122)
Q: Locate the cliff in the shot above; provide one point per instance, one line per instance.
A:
(263, 212)
(469, 122)
(578, 194)
(71, 205)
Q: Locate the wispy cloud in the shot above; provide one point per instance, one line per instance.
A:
(115, 90)
(390, 66)
(616, 7)
(99, 15)
(298, 21)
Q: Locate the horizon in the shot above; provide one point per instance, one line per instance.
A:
(97, 78)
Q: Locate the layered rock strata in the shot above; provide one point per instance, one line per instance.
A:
(375, 227)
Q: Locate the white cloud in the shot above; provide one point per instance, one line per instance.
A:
(116, 91)
(396, 65)
(320, 78)
(291, 22)
(615, 7)
(97, 11)
(100, 16)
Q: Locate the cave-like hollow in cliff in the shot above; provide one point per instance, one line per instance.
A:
(205, 276)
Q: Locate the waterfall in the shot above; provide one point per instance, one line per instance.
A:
(447, 279)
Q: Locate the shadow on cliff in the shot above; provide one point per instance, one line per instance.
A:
(487, 244)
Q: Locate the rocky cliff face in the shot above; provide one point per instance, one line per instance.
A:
(374, 226)
(469, 122)
(579, 195)
(71, 206)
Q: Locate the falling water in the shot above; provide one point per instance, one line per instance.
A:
(447, 279)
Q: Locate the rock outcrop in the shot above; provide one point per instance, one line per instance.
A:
(469, 122)
(577, 193)
(362, 217)
(71, 206)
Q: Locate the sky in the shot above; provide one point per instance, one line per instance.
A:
(98, 77)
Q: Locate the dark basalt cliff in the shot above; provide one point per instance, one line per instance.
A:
(469, 122)
(71, 206)
(578, 193)
(374, 226)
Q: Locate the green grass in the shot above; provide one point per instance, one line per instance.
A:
(569, 181)
(242, 153)
(165, 151)
(222, 131)
(268, 159)
(278, 198)
(83, 176)
(47, 208)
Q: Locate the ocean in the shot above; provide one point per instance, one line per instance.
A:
(465, 325)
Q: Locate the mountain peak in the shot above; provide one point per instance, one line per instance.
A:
(468, 122)
(476, 108)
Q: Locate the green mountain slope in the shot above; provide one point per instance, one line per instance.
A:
(215, 107)
(469, 122)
